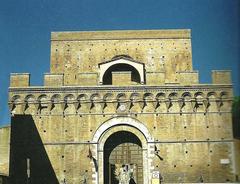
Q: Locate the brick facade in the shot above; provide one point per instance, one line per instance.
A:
(135, 83)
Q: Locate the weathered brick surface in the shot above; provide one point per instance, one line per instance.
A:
(19, 80)
(184, 127)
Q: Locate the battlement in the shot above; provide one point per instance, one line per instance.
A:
(53, 79)
(221, 77)
(132, 57)
(19, 79)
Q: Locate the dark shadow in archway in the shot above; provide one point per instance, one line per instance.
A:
(112, 142)
(107, 77)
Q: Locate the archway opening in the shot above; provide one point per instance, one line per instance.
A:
(123, 158)
(124, 69)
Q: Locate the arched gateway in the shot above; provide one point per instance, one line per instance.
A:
(120, 146)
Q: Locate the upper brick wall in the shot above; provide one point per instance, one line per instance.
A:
(166, 51)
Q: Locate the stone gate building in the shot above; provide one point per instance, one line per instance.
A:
(120, 102)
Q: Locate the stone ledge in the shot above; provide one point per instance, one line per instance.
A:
(118, 35)
(205, 87)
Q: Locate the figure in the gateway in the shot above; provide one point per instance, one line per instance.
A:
(125, 175)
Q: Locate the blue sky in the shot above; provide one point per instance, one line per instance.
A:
(25, 28)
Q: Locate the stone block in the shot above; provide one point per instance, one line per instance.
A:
(53, 79)
(87, 79)
(19, 79)
(121, 78)
(221, 77)
(188, 77)
(155, 78)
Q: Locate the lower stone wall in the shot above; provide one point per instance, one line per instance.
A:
(51, 145)
(71, 162)
(4, 150)
(237, 158)
(177, 162)
(195, 162)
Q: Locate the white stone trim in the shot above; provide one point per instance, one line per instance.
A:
(122, 121)
(138, 66)
(117, 124)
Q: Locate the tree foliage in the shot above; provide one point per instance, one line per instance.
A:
(236, 117)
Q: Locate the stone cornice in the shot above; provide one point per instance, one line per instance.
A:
(121, 99)
(121, 34)
(143, 88)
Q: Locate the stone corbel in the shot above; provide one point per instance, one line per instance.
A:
(103, 105)
(95, 103)
(64, 105)
(131, 104)
(32, 105)
(50, 106)
(77, 105)
(156, 105)
(122, 106)
(11, 106)
(117, 105)
(143, 104)
(206, 104)
(37, 107)
(181, 103)
(194, 104)
(88, 104)
(24, 107)
(92, 105)
(135, 104)
(219, 104)
(168, 103)
(128, 103)
(42, 105)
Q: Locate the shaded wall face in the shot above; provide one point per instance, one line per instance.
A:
(26, 144)
(41, 140)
